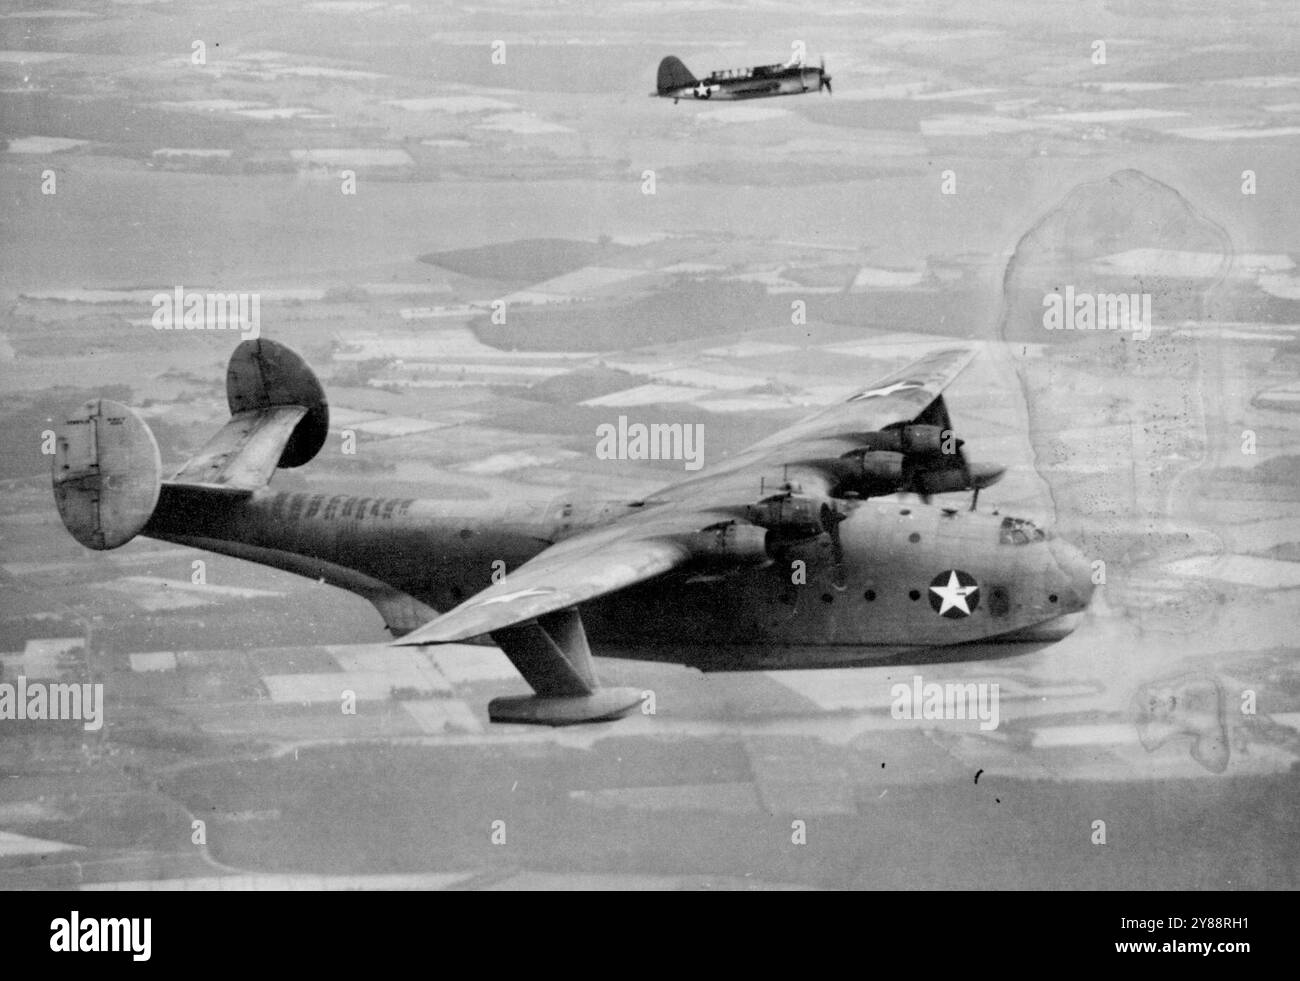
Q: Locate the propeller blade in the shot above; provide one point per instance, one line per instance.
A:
(830, 519)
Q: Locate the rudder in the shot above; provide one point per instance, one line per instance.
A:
(674, 75)
(106, 474)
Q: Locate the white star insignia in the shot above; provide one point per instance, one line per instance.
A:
(954, 595)
(887, 390)
(517, 594)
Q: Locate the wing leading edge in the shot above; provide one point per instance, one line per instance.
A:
(532, 614)
(572, 572)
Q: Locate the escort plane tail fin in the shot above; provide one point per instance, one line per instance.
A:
(674, 75)
(108, 474)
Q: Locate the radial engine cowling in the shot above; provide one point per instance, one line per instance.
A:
(870, 473)
(912, 440)
(730, 543)
(788, 516)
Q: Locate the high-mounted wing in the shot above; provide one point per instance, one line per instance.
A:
(724, 519)
(821, 449)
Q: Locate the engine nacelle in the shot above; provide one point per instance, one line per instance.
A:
(729, 543)
(939, 481)
(788, 516)
(868, 473)
(912, 440)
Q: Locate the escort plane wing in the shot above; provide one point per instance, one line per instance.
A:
(793, 78)
(793, 554)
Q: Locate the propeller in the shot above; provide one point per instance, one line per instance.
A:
(825, 79)
(830, 520)
(915, 476)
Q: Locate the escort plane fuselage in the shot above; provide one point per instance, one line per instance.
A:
(794, 554)
(675, 81)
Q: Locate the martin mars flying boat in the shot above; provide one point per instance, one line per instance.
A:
(793, 78)
(793, 554)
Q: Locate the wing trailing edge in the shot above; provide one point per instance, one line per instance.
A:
(572, 572)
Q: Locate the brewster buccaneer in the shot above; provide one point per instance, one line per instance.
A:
(793, 78)
(792, 554)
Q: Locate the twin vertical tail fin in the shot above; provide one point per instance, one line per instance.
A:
(674, 75)
(108, 474)
(278, 418)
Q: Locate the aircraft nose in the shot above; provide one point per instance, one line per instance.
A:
(1074, 573)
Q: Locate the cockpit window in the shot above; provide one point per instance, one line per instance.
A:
(1018, 531)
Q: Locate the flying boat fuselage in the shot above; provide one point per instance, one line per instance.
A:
(907, 575)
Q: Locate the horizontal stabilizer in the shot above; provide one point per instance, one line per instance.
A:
(244, 453)
(278, 418)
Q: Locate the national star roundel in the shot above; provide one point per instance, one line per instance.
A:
(954, 594)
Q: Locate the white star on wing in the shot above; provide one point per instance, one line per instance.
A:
(953, 595)
(887, 390)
